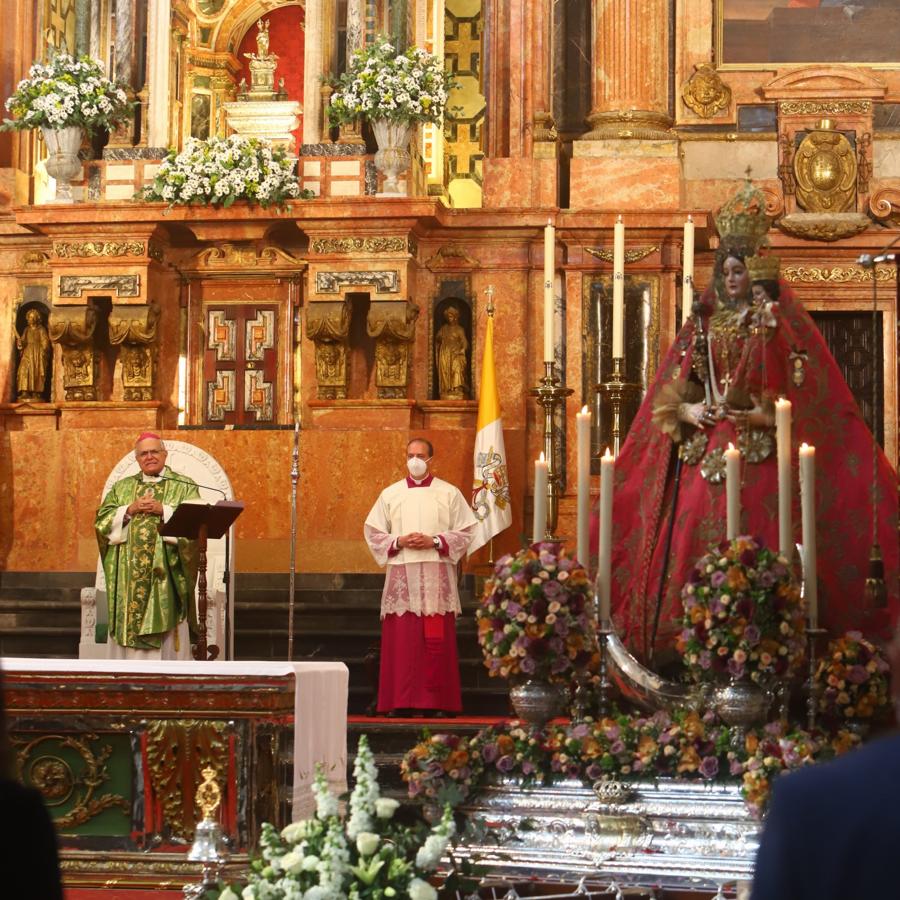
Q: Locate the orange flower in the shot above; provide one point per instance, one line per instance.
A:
(484, 626)
(456, 760)
(590, 747)
(693, 726)
(647, 748)
(505, 744)
(736, 579)
(690, 760)
(751, 742)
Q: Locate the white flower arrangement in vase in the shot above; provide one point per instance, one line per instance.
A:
(218, 171)
(394, 91)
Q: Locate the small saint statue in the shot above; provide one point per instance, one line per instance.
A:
(452, 345)
(262, 39)
(34, 347)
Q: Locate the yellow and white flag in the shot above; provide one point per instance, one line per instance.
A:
(490, 492)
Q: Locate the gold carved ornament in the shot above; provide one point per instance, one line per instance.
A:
(53, 776)
(705, 93)
(836, 274)
(363, 245)
(327, 326)
(176, 747)
(825, 171)
(825, 107)
(393, 326)
(85, 249)
(631, 256)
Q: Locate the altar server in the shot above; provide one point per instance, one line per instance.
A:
(419, 528)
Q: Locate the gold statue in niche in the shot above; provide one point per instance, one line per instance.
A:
(34, 346)
(451, 346)
(825, 171)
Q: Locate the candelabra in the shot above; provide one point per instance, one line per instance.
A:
(614, 392)
(550, 394)
(208, 848)
(812, 689)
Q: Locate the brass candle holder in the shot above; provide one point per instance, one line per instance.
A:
(208, 847)
(550, 394)
(813, 636)
(614, 392)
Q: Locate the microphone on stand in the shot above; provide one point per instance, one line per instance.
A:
(206, 487)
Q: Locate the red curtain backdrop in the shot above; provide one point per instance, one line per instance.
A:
(287, 41)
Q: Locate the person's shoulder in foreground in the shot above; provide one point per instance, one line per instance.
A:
(832, 829)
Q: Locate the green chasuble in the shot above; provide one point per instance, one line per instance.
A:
(149, 581)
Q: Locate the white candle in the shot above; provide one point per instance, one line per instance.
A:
(604, 566)
(539, 525)
(687, 271)
(808, 520)
(732, 492)
(583, 432)
(783, 441)
(549, 269)
(618, 328)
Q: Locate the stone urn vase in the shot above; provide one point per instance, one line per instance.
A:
(537, 702)
(392, 158)
(62, 163)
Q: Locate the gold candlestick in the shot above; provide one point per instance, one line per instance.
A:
(549, 394)
(614, 392)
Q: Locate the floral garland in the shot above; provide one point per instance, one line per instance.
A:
(66, 92)
(743, 614)
(853, 680)
(446, 769)
(381, 83)
(370, 856)
(534, 619)
(219, 171)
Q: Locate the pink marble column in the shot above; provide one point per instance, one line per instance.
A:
(631, 63)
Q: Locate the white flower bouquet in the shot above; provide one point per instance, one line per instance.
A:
(218, 171)
(369, 856)
(67, 92)
(383, 84)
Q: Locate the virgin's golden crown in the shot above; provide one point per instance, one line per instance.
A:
(742, 220)
(763, 268)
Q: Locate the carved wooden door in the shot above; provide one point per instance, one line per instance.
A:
(240, 365)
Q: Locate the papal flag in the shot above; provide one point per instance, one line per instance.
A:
(490, 492)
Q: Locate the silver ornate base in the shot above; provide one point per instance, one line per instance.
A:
(667, 834)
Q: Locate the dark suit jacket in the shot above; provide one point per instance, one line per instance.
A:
(833, 830)
(29, 863)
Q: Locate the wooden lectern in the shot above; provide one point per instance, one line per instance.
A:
(202, 522)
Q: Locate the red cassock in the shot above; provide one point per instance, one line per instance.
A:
(793, 362)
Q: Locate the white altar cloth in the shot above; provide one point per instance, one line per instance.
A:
(320, 706)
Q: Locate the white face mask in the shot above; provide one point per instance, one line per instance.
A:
(417, 467)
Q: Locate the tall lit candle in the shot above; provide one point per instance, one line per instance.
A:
(539, 526)
(808, 521)
(783, 444)
(583, 433)
(549, 269)
(732, 492)
(687, 271)
(604, 564)
(618, 328)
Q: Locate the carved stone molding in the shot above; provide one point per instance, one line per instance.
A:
(705, 93)
(836, 274)
(545, 131)
(120, 285)
(364, 245)
(631, 256)
(229, 256)
(34, 259)
(135, 329)
(393, 325)
(85, 249)
(452, 256)
(73, 329)
(824, 226)
(825, 107)
(328, 326)
(885, 204)
(383, 282)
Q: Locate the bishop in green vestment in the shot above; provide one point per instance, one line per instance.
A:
(149, 579)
